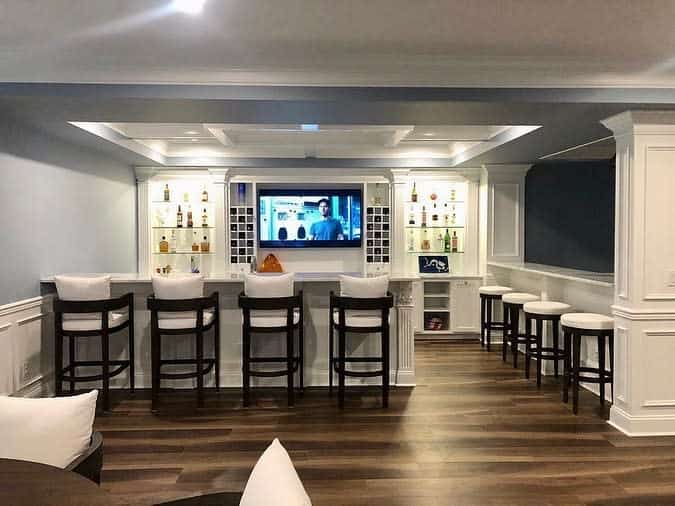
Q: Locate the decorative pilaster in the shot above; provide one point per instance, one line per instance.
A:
(644, 290)
(405, 367)
(143, 210)
(219, 179)
(399, 194)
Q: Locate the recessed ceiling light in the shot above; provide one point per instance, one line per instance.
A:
(193, 140)
(191, 132)
(188, 6)
(309, 127)
(428, 134)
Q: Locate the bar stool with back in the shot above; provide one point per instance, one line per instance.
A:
(269, 306)
(178, 308)
(362, 307)
(83, 309)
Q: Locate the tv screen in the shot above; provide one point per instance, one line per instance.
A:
(309, 218)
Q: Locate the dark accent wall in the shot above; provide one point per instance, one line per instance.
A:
(569, 215)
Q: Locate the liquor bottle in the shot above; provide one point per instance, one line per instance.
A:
(425, 244)
(204, 246)
(195, 246)
(424, 216)
(186, 196)
(241, 194)
(453, 218)
(179, 218)
(167, 193)
(413, 195)
(411, 217)
(377, 195)
(455, 240)
(411, 241)
(172, 242)
(446, 241)
(205, 218)
(189, 218)
(163, 245)
(453, 194)
(446, 217)
(205, 195)
(434, 216)
(254, 265)
(439, 242)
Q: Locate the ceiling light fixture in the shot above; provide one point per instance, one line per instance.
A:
(188, 6)
(428, 134)
(191, 132)
(193, 140)
(309, 127)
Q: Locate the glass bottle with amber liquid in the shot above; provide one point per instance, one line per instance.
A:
(179, 218)
(167, 193)
(413, 194)
(205, 246)
(190, 224)
(205, 218)
(205, 195)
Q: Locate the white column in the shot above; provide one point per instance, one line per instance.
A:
(221, 265)
(399, 196)
(644, 290)
(405, 329)
(143, 174)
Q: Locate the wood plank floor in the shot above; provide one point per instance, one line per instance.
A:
(473, 431)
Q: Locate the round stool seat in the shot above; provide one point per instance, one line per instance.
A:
(519, 298)
(494, 290)
(587, 321)
(546, 307)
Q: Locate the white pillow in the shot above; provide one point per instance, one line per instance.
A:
(51, 431)
(82, 288)
(187, 286)
(364, 288)
(269, 285)
(274, 481)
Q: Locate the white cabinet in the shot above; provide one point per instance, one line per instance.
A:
(464, 306)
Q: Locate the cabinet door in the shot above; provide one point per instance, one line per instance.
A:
(464, 306)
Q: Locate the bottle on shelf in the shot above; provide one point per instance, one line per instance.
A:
(453, 218)
(411, 217)
(186, 196)
(205, 195)
(425, 244)
(453, 194)
(413, 194)
(205, 246)
(377, 195)
(195, 243)
(439, 242)
(455, 240)
(424, 216)
(241, 194)
(446, 216)
(411, 240)
(446, 241)
(172, 242)
(167, 193)
(179, 218)
(205, 218)
(434, 215)
(163, 245)
(190, 223)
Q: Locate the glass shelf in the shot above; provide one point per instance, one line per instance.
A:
(182, 202)
(183, 228)
(435, 226)
(432, 202)
(186, 253)
(432, 252)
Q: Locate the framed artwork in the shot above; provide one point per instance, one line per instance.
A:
(433, 264)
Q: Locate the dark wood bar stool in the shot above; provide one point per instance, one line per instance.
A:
(489, 295)
(92, 318)
(512, 304)
(578, 325)
(276, 315)
(540, 312)
(172, 316)
(364, 316)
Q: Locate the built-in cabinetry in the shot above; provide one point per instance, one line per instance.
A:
(448, 306)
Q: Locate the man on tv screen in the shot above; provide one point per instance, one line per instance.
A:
(327, 228)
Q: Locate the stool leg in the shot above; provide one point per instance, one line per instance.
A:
(528, 344)
(556, 347)
(301, 348)
(289, 366)
(58, 364)
(540, 334)
(156, 356)
(105, 349)
(567, 345)
(385, 367)
(132, 354)
(246, 366)
(601, 368)
(515, 331)
(482, 321)
(341, 368)
(216, 351)
(488, 330)
(330, 355)
(200, 367)
(505, 333)
(576, 363)
(71, 358)
(610, 339)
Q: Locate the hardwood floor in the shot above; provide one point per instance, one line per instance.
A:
(473, 431)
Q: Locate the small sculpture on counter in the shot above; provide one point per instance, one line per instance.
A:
(271, 264)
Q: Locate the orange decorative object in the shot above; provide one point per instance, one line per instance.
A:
(270, 264)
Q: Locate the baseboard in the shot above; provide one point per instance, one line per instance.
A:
(641, 426)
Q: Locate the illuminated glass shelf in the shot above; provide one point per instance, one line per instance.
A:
(432, 252)
(432, 202)
(436, 226)
(183, 202)
(183, 228)
(186, 253)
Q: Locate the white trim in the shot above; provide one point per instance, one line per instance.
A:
(22, 305)
(652, 425)
(5, 326)
(30, 318)
(651, 315)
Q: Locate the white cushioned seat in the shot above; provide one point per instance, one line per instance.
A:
(52, 431)
(184, 323)
(519, 298)
(358, 318)
(273, 320)
(269, 286)
(546, 307)
(494, 290)
(274, 481)
(587, 321)
(362, 288)
(72, 322)
(81, 287)
(178, 287)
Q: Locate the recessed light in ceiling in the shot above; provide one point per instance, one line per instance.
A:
(309, 127)
(188, 6)
(191, 132)
(428, 134)
(193, 140)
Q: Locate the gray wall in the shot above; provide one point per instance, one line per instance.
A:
(63, 208)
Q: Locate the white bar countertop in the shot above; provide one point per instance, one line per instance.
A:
(588, 277)
(301, 277)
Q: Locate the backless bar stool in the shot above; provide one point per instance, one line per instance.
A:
(512, 304)
(83, 308)
(578, 325)
(540, 312)
(177, 307)
(269, 306)
(488, 295)
(362, 308)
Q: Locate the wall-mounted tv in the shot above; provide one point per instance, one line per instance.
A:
(316, 218)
